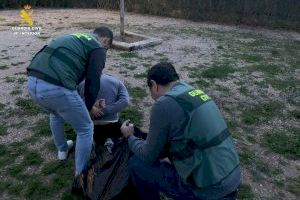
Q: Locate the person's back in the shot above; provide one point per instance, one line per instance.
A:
(115, 94)
(70, 53)
(116, 98)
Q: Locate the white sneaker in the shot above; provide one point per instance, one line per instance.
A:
(62, 155)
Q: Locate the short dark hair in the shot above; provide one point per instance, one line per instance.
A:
(162, 73)
(103, 31)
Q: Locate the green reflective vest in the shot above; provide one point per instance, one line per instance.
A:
(205, 155)
(64, 60)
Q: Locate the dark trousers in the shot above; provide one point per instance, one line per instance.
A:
(162, 177)
(159, 177)
(112, 130)
(102, 132)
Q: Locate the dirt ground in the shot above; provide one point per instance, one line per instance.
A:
(196, 49)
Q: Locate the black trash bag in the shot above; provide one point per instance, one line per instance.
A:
(108, 175)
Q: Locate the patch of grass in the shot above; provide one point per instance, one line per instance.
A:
(68, 196)
(200, 83)
(28, 107)
(2, 106)
(256, 165)
(268, 69)
(123, 72)
(275, 52)
(283, 85)
(3, 150)
(223, 89)
(140, 75)
(59, 28)
(61, 174)
(11, 153)
(295, 114)
(159, 54)
(194, 72)
(251, 139)
(3, 67)
(36, 189)
(4, 185)
(132, 113)
(58, 168)
(260, 113)
(245, 192)
(70, 132)
(32, 158)
(257, 176)
(293, 185)
(16, 171)
(251, 58)
(285, 142)
(44, 37)
(279, 183)
(51, 146)
(21, 73)
(51, 167)
(137, 93)
(15, 189)
(147, 65)
(9, 79)
(3, 130)
(42, 128)
(16, 92)
(218, 71)
(128, 55)
(21, 80)
(270, 171)
(244, 90)
(19, 124)
(131, 67)
(246, 156)
(164, 59)
(220, 47)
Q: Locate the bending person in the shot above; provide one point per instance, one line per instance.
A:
(54, 73)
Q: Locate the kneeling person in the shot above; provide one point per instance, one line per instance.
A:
(187, 127)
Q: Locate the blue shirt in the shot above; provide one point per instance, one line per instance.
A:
(115, 94)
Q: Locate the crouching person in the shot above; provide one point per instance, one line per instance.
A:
(113, 98)
(187, 127)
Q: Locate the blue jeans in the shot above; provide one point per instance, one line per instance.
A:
(65, 105)
(159, 177)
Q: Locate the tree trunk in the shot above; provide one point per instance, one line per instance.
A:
(122, 14)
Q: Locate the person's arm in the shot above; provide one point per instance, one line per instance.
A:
(121, 103)
(96, 64)
(151, 149)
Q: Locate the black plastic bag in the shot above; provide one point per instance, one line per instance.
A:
(108, 175)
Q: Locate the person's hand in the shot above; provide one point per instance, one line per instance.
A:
(101, 103)
(96, 112)
(127, 129)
